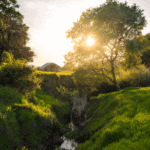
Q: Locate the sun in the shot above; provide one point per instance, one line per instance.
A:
(89, 41)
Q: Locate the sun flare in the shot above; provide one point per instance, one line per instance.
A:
(90, 41)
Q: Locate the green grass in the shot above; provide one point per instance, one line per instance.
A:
(57, 73)
(9, 129)
(20, 118)
(58, 107)
(119, 120)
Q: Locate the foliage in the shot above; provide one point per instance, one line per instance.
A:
(65, 93)
(58, 107)
(93, 79)
(110, 25)
(51, 81)
(134, 77)
(9, 7)
(7, 57)
(70, 61)
(21, 120)
(8, 125)
(146, 58)
(146, 54)
(118, 119)
(19, 76)
(132, 60)
(13, 33)
(72, 135)
(134, 52)
(88, 77)
(137, 44)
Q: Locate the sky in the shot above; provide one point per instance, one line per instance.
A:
(48, 21)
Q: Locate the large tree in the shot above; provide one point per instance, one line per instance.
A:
(13, 32)
(110, 25)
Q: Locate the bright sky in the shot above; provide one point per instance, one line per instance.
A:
(48, 20)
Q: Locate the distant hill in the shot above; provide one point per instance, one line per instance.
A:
(52, 67)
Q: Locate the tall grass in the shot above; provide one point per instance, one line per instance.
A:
(9, 129)
(119, 120)
(57, 106)
(21, 119)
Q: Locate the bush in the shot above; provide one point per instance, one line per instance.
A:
(19, 76)
(65, 93)
(8, 96)
(50, 83)
(135, 77)
(91, 79)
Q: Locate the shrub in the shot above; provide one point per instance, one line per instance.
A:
(50, 83)
(19, 76)
(8, 96)
(91, 79)
(135, 77)
(65, 93)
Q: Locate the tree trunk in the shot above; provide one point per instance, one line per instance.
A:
(114, 76)
(2, 48)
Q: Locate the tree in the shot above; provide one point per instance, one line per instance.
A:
(8, 8)
(146, 54)
(110, 25)
(16, 74)
(135, 48)
(69, 63)
(146, 58)
(13, 33)
(137, 52)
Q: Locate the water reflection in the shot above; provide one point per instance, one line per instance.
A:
(68, 144)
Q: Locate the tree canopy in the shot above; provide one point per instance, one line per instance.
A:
(110, 25)
(136, 51)
(13, 32)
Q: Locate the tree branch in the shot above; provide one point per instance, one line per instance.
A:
(104, 55)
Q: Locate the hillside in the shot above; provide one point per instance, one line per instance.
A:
(34, 123)
(118, 121)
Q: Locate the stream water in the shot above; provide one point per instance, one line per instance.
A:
(68, 144)
(79, 105)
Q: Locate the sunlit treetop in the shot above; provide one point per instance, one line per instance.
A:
(9, 8)
(110, 25)
(89, 41)
(109, 21)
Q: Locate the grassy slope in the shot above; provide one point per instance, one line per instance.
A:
(58, 107)
(119, 120)
(45, 107)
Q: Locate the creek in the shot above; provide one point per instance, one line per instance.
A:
(68, 144)
(78, 106)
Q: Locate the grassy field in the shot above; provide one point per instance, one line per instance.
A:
(119, 121)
